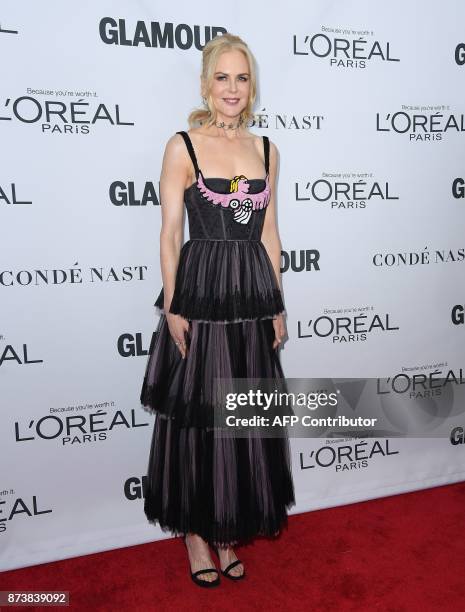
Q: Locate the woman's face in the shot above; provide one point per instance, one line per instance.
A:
(231, 85)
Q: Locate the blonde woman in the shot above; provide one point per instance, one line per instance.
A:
(221, 315)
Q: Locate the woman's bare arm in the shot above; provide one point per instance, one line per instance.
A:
(270, 234)
(173, 179)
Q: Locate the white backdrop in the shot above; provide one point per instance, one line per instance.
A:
(89, 96)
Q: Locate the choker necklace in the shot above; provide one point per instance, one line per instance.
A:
(230, 126)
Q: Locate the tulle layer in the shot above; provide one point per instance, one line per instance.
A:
(227, 490)
(224, 280)
(186, 389)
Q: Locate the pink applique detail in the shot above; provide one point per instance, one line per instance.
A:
(240, 201)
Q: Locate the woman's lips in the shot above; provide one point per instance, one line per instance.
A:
(231, 101)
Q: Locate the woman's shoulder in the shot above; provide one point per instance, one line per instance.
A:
(259, 139)
(175, 142)
(176, 152)
(273, 149)
(176, 145)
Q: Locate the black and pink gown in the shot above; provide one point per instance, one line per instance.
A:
(227, 490)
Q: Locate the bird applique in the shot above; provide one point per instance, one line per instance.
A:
(238, 199)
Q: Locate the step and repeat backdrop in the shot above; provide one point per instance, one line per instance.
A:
(365, 103)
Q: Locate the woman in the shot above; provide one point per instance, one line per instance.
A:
(222, 315)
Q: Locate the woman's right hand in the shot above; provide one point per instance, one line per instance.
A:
(178, 327)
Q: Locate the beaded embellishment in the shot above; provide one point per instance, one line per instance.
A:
(238, 198)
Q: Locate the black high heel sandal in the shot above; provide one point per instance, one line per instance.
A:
(204, 583)
(227, 569)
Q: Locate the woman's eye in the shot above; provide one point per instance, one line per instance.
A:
(220, 78)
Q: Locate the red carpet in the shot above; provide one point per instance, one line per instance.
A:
(404, 552)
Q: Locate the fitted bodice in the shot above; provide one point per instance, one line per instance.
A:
(212, 221)
(226, 209)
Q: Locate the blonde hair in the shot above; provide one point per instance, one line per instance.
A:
(210, 55)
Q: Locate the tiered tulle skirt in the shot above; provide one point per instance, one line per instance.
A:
(226, 489)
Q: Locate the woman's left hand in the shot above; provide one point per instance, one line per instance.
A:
(279, 329)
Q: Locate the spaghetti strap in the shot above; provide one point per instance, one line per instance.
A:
(266, 147)
(190, 148)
